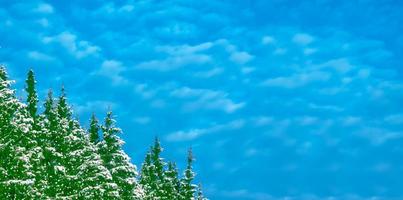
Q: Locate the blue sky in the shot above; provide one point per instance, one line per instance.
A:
(279, 99)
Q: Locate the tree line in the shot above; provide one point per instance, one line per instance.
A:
(49, 155)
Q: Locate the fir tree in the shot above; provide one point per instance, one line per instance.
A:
(116, 160)
(200, 195)
(32, 99)
(63, 109)
(171, 182)
(153, 176)
(89, 178)
(49, 106)
(94, 130)
(187, 188)
(148, 177)
(50, 156)
(16, 175)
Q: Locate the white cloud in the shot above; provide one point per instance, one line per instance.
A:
(268, 40)
(144, 90)
(35, 55)
(93, 106)
(302, 39)
(210, 73)
(174, 62)
(280, 51)
(351, 120)
(307, 120)
(43, 22)
(297, 80)
(196, 133)
(142, 120)
(206, 99)
(185, 49)
(241, 57)
(112, 69)
(326, 107)
(309, 51)
(341, 65)
(44, 8)
(378, 136)
(247, 70)
(78, 48)
(263, 120)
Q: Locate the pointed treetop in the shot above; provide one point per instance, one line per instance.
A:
(49, 103)
(157, 147)
(32, 99)
(190, 156)
(3, 73)
(94, 129)
(200, 195)
(63, 108)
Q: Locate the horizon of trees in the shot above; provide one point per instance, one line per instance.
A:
(49, 155)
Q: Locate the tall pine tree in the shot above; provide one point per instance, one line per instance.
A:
(187, 188)
(32, 99)
(116, 160)
(94, 129)
(16, 173)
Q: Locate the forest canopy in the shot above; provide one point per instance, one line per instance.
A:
(46, 154)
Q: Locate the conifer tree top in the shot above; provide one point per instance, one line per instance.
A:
(32, 99)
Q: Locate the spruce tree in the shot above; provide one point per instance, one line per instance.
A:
(171, 182)
(187, 188)
(116, 160)
(32, 99)
(94, 129)
(153, 175)
(63, 109)
(90, 179)
(148, 178)
(200, 195)
(16, 173)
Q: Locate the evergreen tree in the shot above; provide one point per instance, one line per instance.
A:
(171, 182)
(49, 106)
(153, 176)
(187, 188)
(16, 175)
(148, 177)
(50, 156)
(116, 160)
(89, 178)
(94, 130)
(200, 195)
(32, 99)
(63, 109)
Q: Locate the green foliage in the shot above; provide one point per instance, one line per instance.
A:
(32, 99)
(50, 156)
(94, 130)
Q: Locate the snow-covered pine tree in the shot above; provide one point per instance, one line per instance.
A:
(159, 166)
(117, 161)
(171, 182)
(16, 176)
(147, 177)
(187, 188)
(35, 136)
(94, 130)
(200, 195)
(32, 98)
(153, 176)
(93, 180)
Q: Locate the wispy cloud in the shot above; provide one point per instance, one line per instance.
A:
(196, 133)
(206, 99)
